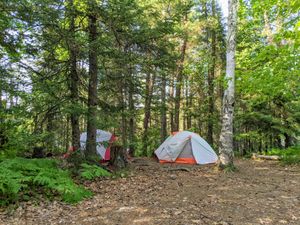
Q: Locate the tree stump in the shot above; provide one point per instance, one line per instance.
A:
(38, 152)
(118, 157)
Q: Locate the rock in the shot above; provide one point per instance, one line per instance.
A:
(173, 177)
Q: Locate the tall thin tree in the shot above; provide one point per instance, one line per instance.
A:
(179, 79)
(92, 91)
(163, 109)
(2, 136)
(210, 79)
(150, 80)
(226, 136)
(74, 78)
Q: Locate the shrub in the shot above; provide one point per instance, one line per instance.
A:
(20, 176)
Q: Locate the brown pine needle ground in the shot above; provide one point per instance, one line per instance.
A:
(260, 192)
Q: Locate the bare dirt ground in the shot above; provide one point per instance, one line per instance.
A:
(261, 192)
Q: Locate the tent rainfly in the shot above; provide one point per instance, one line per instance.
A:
(104, 139)
(186, 147)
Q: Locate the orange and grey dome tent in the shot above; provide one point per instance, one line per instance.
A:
(186, 147)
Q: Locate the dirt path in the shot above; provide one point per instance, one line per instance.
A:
(259, 193)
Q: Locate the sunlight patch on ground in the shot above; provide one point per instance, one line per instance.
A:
(143, 220)
(265, 220)
(125, 209)
(132, 209)
(261, 168)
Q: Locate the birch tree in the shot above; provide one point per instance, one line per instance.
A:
(226, 136)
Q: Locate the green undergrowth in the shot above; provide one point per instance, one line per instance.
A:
(22, 179)
(86, 169)
(121, 173)
(288, 156)
(90, 172)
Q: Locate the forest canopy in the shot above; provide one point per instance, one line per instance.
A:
(143, 69)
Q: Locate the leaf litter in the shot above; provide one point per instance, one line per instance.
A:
(260, 192)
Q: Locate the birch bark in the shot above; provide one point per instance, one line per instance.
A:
(226, 136)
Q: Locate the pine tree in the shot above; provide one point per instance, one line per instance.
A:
(93, 83)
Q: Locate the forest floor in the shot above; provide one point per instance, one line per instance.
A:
(260, 192)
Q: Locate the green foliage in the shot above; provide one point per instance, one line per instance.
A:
(23, 177)
(136, 38)
(267, 74)
(120, 173)
(75, 159)
(288, 156)
(151, 142)
(91, 172)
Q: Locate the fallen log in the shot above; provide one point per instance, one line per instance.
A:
(267, 157)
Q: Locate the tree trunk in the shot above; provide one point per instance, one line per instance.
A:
(226, 136)
(148, 99)
(163, 110)
(171, 103)
(74, 79)
(118, 157)
(66, 134)
(186, 108)
(92, 92)
(179, 82)
(288, 140)
(190, 100)
(200, 121)
(2, 135)
(210, 81)
(131, 117)
(123, 114)
(50, 132)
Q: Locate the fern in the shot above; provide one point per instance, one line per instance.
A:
(19, 176)
(91, 172)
